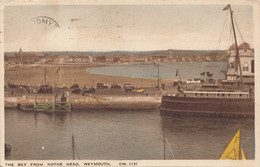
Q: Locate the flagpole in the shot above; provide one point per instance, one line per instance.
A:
(45, 71)
(60, 75)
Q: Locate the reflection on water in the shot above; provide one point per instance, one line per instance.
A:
(121, 134)
(206, 138)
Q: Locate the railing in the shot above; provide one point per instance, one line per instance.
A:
(53, 107)
(237, 95)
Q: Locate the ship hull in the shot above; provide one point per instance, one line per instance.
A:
(173, 105)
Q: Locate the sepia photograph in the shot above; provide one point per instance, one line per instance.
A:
(129, 82)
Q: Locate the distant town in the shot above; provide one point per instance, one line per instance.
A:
(113, 57)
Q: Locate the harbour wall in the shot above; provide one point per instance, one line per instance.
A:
(91, 102)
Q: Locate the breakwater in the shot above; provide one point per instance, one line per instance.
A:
(91, 101)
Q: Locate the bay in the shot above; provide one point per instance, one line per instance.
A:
(188, 70)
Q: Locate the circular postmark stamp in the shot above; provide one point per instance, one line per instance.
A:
(46, 21)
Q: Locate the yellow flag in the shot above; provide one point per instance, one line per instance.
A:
(243, 154)
(232, 150)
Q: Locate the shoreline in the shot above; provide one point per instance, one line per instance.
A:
(71, 75)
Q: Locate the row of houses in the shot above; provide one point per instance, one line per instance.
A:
(32, 58)
(23, 58)
(68, 58)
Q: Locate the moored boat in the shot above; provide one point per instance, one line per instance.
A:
(233, 96)
(209, 103)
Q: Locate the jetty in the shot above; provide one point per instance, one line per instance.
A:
(78, 102)
(47, 107)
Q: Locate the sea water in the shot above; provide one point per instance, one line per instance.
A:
(188, 70)
(121, 134)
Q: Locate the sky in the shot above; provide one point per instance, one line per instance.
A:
(124, 27)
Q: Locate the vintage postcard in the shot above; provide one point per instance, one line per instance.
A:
(123, 83)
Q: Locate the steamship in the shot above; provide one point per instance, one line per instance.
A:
(233, 96)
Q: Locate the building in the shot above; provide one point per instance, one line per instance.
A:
(23, 57)
(101, 59)
(246, 55)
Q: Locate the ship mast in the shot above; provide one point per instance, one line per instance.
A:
(73, 148)
(164, 151)
(158, 79)
(237, 52)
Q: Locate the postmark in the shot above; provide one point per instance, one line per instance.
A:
(45, 20)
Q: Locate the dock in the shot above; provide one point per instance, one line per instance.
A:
(78, 102)
(48, 107)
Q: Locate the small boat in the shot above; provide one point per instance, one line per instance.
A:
(234, 151)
